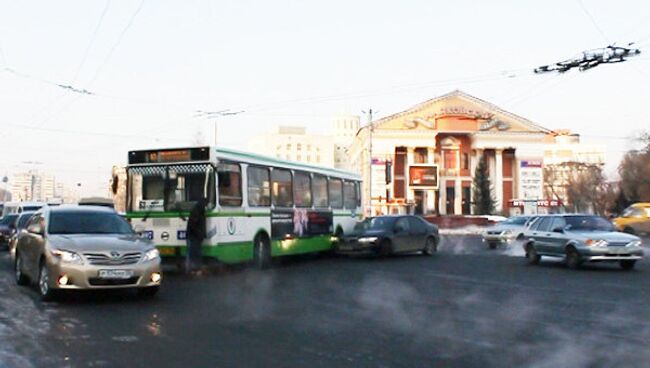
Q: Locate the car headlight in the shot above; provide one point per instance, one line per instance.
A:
(634, 243)
(596, 243)
(151, 254)
(507, 233)
(369, 239)
(67, 256)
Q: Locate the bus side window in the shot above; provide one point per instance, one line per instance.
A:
(259, 187)
(349, 195)
(302, 189)
(281, 188)
(336, 193)
(319, 190)
(229, 180)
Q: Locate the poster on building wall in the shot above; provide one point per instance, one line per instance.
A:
(423, 176)
(378, 178)
(531, 179)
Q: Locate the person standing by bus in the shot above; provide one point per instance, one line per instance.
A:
(196, 233)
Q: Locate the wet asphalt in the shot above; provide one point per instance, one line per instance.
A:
(466, 306)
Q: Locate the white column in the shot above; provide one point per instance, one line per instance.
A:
(430, 201)
(431, 153)
(409, 162)
(442, 201)
(498, 183)
(478, 153)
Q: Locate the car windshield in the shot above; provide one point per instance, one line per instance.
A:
(375, 223)
(519, 220)
(9, 219)
(87, 222)
(588, 223)
(22, 220)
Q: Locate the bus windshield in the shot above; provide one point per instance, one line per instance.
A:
(170, 188)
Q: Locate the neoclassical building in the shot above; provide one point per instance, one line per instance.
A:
(422, 160)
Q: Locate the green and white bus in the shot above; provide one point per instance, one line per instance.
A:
(259, 207)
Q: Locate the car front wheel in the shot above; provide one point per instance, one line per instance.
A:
(627, 264)
(44, 283)
(430, 247)
(531, 255)
(572, 258)
(21, 278)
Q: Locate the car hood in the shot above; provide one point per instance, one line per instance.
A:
(609, 236)
(367, 233)
(503, 227)
(100, 242)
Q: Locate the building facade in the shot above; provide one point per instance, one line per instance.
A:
(423, 160)
(292, 143)
(565, 157)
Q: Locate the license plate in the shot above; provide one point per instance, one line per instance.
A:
(167, 251)
(115, 274)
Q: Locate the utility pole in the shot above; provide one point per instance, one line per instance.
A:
(370, 131)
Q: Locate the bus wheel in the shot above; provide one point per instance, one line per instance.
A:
(262, 252)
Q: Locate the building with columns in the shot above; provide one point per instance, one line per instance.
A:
(430, 153)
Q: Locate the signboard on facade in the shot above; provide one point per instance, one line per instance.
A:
(423, 176)
(378, 187)
(531, 179)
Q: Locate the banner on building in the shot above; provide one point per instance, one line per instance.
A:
(531, 179)
(423, 176)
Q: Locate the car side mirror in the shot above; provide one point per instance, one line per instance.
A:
(36, 229)
(559, 230)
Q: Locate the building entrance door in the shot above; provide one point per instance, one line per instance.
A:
(418, 197)
(451, 200)
(467, 200)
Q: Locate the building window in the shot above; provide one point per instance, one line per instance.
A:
(289, 147)
(298, 146)
(450, 159)
(420, 155)
(465, 161)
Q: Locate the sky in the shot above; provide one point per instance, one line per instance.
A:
(151, 65)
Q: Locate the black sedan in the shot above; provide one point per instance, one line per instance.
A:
(385, 235)
(7, 228)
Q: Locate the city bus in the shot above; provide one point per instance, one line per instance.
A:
(258, 207)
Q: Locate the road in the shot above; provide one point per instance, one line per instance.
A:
(466, 306)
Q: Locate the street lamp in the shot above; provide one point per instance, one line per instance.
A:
(214, 115)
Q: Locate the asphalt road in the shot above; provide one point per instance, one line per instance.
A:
(466, 306)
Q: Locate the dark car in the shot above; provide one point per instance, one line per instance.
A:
(579, 239)
(384, 235)
(20, 225)
(7, 228)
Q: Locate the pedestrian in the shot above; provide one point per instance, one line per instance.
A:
(196, 233)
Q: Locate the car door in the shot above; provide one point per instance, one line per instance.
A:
(33, 244)
(401, 235)
(557, 237)
(540, 234)
(418, 230)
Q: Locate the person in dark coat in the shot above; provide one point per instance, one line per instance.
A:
(196, 233)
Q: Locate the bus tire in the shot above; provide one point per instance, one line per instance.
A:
(262, 252)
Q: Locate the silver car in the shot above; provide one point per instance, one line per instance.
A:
(579, 239)
(507, 231)
(84, 247)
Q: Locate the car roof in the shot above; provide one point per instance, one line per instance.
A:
(641, 204)
(77, 209)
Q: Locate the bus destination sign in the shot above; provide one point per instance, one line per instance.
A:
(169, 155)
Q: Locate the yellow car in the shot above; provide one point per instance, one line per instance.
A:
(635, 219)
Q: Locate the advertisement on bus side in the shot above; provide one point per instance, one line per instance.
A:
(300, 222)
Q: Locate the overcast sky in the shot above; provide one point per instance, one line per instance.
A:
(152, 64)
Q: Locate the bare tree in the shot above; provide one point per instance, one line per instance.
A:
(634, 171)
(581, 187)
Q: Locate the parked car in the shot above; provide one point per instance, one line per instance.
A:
(21, 223)
(7, 228)
(84, 247)
(635, 219)
(579, 239)
(507, 231)
(385, 235)
(97, 201)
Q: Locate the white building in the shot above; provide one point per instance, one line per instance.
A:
(344, 129)
(292, 143)
(32, 186)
